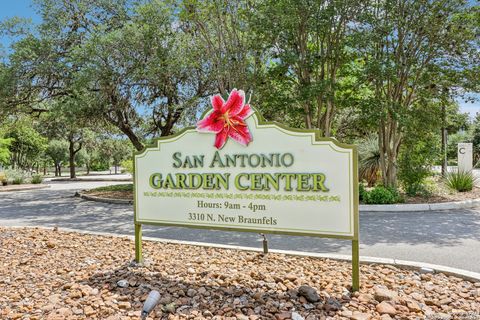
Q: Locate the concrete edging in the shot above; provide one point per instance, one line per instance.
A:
(32, 187)
(405, 264)
(420, 206)
(104, 200)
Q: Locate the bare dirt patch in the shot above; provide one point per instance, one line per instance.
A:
(127, 195)
(59, 275)
(446, 196)
(119, 191)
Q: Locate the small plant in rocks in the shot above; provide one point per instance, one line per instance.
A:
(460, 181)
(36, 179)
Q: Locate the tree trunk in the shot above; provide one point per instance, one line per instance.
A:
(391, 171)
(72, 152)
(444, 142)
(389, 144)
(119, 120)
(133, 138)
(116, 169)
(88, 169)
(71, 159)
(328, 125)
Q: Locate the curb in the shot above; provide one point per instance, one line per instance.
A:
(403, 264)
(104, 200)
(466, 204)
(92, 179)
(36, 187)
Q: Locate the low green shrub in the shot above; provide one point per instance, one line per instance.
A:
(414, 165)
(460, 181)
(15, 176)
(116, 187)
(382, 195)
(127, 166)
(361, 192)
(99, 165)
(429, 187)
(37, 179)
(18, 180)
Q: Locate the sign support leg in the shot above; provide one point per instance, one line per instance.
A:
(138, 243)
(355, 266)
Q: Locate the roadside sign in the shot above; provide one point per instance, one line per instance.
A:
(236, 172)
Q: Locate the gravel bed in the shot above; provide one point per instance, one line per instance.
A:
(51, 274)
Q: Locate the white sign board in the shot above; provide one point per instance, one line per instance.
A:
(465, 157)
(283, 182)
(236, 172)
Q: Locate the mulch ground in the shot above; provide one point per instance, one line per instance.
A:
(128, 195)
(446, 197)
(51, 274)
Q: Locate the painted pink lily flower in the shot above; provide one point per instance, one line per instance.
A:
(228, 119)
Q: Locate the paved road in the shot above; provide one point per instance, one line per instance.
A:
(450, 238)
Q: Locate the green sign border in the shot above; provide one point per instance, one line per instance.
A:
(261, 122)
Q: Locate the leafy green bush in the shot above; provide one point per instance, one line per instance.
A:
(429, 187)
(382, 195)
(100, 165)
(415, 165)
(452, 162)
(4, 150)
(361, 192)
(460, 181)
(127, 166)
(18, 180)
(15, 176)
(37, 179)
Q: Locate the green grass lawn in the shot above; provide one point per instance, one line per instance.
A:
(117, 187)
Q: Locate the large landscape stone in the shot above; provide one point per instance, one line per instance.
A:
(309, 293)
(382, 294)
(385, 307)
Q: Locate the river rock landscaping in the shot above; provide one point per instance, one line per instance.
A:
(51, 274)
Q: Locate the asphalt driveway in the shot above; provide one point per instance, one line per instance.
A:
(450, 238)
